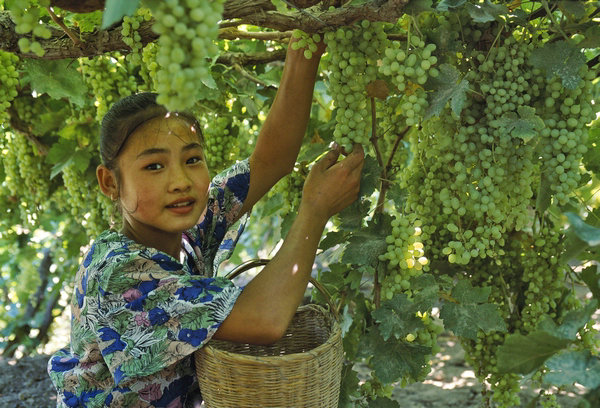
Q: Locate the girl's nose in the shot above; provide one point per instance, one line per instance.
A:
(179, 180)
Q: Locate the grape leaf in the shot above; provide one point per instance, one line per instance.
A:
(525, 126)
(524, 354)
(397, 317)
(447, 87)
(573, 367)
(58, 78)
(115, 10)
(369, 179)
(444, 5)
(367, 244)
(591, 158)
(575, 8)
(485, 12)
(383, 402)
(544, 194)
(392, 360)
(559, 58)
(572, 322)
(349, 387)
(471, 312)
(416, 7)
(592, 37)
(588, 234)
(591, 277)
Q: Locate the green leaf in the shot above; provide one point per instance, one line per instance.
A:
(371, 174)
(397, 317)
(58, 78)
(575, 8)
(471, 312)
(562, 59)
(332, 239)
(525, 126)
(447, 87)
(572, 322)
(591, 158)
(349, 388)
(367, 244)
(383, 402)
(544, 195)
(592, 37)
(444, 5)
(115, 10)
(591, 277)
(573, 367)
(416, 7)
(588, 234)
(523, 354)
(485, 12)
(392, 360)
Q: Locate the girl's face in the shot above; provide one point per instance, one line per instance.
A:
(164, 181)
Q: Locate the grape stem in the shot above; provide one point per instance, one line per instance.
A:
(249, 76)
(61, 24)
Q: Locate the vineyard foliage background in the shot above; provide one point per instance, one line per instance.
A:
(480, 200)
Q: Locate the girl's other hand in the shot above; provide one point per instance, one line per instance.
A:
(333, 185)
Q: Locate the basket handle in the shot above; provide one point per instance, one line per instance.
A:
(254, 263)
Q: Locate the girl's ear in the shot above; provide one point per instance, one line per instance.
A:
(107, 182)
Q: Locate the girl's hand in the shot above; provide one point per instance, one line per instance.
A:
(332, 185)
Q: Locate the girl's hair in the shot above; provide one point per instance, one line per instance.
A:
(125, 116)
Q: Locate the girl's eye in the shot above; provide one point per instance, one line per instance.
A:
(154, 166)
(194, 160)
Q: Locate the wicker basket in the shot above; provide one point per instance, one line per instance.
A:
(303, 369)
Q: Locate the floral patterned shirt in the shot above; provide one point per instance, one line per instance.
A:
(139, 314)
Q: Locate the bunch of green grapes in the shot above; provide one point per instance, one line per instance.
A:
(222, 143)
(405, 255)
(188, 30)
(353, 55)
(290, 187)
(92, 212)
(27, 175)
(306, 41)
(9, 79)
(27, 20)
(131, 35)
(109, 78)
(565, 112)
(408, 66)
(149, 66)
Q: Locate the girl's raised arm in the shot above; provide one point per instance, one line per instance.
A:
(281, 135)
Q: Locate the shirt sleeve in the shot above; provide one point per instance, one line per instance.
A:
(152, 314)
(216, 233)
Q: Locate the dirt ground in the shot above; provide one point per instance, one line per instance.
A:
(451, 383)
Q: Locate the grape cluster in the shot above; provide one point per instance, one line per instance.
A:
(290, 187)
(306, 41)
(188, 30)
(149, 67)
(27, 20)
(222, 143)
(131, 35)
(27, 176)
(409, 65)
(353, 55)
(565, 112)
(9, 79)
(109, 78)
(405, 255)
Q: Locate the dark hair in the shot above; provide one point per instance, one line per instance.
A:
(125, 116)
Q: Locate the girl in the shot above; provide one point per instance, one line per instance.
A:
(146, 297)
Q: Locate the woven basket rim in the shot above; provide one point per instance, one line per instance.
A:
(332, 340)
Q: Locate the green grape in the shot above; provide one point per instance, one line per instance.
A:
(306, 41)
(26, 16)
(290, 188)
(9, 80)
(109, 78)
(353, 55)
(188, 31)
(131, 35)
(222, 143)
